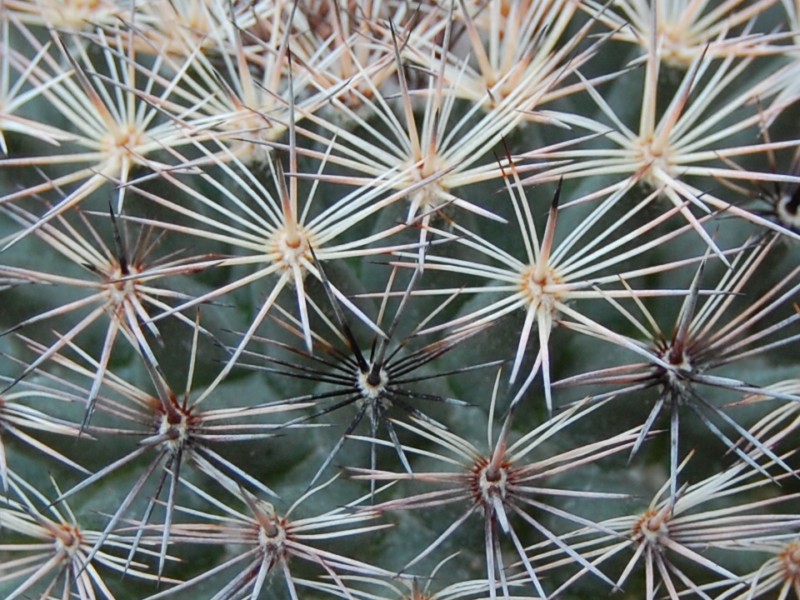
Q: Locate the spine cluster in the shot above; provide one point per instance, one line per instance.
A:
(391, 300)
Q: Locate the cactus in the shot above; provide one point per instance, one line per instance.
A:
(372, 300)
